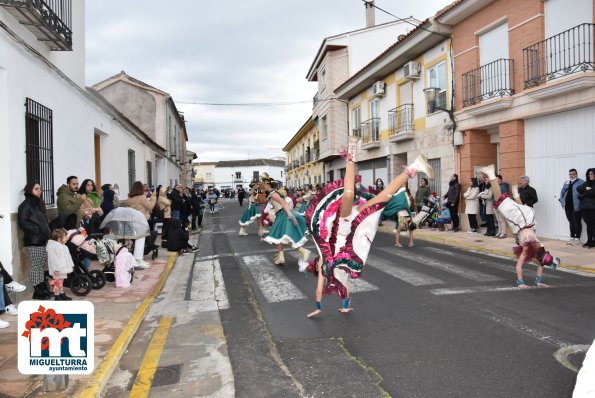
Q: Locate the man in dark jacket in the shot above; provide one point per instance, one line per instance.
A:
(570, 203)
(176, 201)
(69, 201)
(452, 197)
(527, 193)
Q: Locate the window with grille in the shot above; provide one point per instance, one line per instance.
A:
(39, 149)
(433, 183)
(149, 174)
(255, 176)
(131, 168)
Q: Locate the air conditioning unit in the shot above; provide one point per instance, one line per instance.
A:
(412, 70)
(378, 89)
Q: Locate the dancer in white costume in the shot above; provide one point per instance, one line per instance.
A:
(344, 228)
(521, 220)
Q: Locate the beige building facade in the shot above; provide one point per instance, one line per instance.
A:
(302, 157)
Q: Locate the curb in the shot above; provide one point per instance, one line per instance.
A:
(482, 249)
(96, 383)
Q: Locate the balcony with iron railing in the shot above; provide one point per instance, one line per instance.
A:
(370, 133)
(561, 55)
(308, 157)
(49, 20)
(492, 80)
(315, 101)
(296, 164)
(302, 160)
(400, 123)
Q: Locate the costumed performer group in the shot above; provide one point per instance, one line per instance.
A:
(343, 227)
(252, 212)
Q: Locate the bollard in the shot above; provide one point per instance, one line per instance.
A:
(55, 382)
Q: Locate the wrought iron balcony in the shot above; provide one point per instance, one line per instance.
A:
(561, 55)
(49, 20)
(370, 131)
(400, 120)
(492, 80)
(308, 157)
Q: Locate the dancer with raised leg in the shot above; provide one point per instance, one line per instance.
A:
(521, 219)
(344, 228)
(289, 228)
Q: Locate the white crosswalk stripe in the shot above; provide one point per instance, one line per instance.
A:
(406, 275)
(271, 281)
(208, 285)
(528, 271)
(462, 272)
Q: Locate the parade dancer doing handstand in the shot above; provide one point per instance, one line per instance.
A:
(289, 228)
(343, 228)
(252, 212)
(521, 220)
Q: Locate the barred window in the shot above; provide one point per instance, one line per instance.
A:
(433, 183)
(39, 150)
(131, 168)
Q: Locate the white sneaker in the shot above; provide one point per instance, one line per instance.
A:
(142, 264)
(15, 286)
(490, 171)
(12, 310)
(4, 324)
(420, 164)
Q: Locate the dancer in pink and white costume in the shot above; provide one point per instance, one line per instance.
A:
(343, 228)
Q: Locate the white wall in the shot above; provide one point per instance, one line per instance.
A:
(223, 175)
(75, 120)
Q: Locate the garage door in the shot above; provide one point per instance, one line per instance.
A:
(553, 145)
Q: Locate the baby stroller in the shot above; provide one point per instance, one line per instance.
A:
(81, 280)
(426, 214)
(127, 223)
(107, 251)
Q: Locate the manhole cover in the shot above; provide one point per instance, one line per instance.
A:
(576, 359)
(164, 375)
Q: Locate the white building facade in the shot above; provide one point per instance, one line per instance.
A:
(51, 126)
(240, 173)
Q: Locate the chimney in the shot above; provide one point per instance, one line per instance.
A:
(370, 13)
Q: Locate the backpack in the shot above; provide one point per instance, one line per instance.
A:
(105, 251)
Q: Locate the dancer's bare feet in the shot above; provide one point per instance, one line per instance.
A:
(314, 313)
(345, 310)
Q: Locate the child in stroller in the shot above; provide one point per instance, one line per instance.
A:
(427, 214)
(82, 249)
(108, 253)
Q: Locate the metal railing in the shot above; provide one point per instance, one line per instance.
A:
(315, 101)
(370, 130)
(400, 119)
(49, 20)
(492, 80)
(561, 55)
(302, 160)
(308, 157)
(357, 131)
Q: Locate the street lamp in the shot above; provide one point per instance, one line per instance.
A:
(431, 94)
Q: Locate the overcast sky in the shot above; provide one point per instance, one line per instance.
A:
(228, 51)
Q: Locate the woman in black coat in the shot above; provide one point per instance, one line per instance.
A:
(34, 223)
(586, 197)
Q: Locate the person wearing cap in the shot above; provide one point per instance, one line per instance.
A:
(521, 219)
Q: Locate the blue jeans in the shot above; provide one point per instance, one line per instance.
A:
(175, 214)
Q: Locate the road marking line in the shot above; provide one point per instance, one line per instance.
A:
(463, 272)
(492, 289)
(273, 283)
(100, 377)
(406, 275)
(526, 330)
(208, 285)
(148, 367)
(529, 272)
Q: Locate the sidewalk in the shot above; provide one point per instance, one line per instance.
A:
(572, 257)
(118, 314)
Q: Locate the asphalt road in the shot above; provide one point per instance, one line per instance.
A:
(429, 321)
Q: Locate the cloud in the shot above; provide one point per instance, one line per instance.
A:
(230, 52)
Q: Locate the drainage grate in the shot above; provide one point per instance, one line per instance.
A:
(164, 376)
